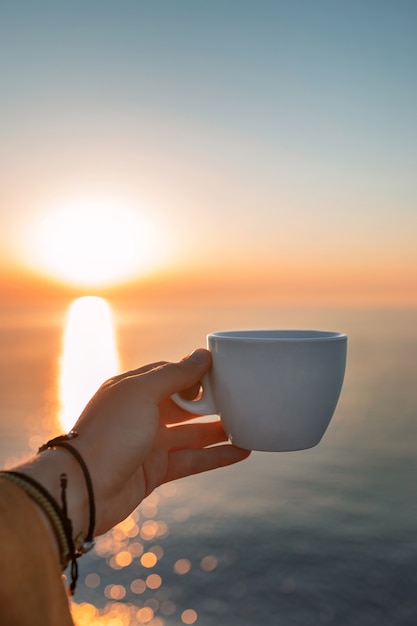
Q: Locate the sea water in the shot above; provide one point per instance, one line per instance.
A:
(322, 536)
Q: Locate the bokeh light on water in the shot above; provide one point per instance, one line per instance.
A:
(307, 538)
(138, 594)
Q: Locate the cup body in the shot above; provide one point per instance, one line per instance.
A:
(275, 390)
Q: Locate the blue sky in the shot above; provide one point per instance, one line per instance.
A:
(290, 124)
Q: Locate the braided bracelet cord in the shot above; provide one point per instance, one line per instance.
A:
(58, 518)
(49, 506)
(87, 543)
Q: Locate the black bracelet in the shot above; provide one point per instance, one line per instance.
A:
(87, 543)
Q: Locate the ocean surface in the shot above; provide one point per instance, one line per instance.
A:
(322, 536)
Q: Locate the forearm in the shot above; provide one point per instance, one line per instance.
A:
(31, 590)
(46, 468)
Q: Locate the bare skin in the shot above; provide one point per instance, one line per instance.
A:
(133, 438)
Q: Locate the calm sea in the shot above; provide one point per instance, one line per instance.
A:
(323, 536)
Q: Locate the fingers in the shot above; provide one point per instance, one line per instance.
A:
(176, 377)
(183, 463)
(198, 435)
(164, 379)
(189, 453)
(171, 413)
(135, 372)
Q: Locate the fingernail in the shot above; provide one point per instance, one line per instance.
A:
(198, 356)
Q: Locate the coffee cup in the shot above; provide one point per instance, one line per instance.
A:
(274, 390)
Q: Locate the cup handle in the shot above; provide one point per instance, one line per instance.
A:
(204, 405)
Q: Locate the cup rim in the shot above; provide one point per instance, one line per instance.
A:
(278, 335)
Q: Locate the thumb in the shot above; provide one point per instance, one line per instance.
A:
(175, 377)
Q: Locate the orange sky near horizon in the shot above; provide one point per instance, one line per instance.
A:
(289, 259)
(384, 286)
(265, 155)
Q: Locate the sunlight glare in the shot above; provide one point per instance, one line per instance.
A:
(89, 355)
(93, 243)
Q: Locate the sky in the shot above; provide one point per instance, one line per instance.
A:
(268, 148)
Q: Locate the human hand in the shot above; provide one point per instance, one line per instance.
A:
(133, 437)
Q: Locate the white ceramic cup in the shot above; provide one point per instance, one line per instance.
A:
(274, 390)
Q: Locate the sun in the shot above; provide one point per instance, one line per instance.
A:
(93, 243)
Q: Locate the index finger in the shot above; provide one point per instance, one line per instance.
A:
(171, 378)
(171, 413)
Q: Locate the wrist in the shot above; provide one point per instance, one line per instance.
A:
(46, 468)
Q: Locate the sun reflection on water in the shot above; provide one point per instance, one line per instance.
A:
(89, 355)
(127, 557)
